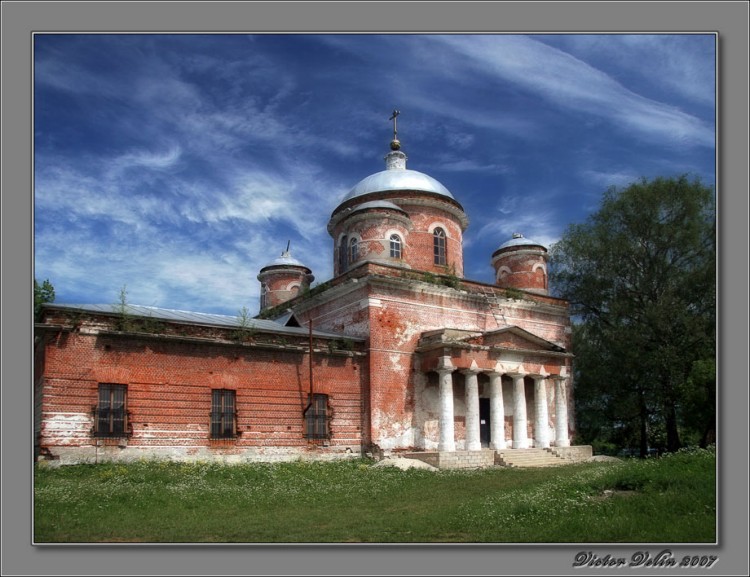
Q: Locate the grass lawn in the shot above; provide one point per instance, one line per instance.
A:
(671, 499)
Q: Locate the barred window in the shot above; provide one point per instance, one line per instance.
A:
(343, 246)
(316, 418)
(438, 240)
(111, 417)
(223, 414)
(353, 250)
(395, 246)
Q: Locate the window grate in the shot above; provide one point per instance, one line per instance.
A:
(316, 418)
(343, 247)
(223, 414)
(110, 413)
(438, 237)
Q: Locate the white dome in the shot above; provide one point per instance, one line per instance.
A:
(519, 240)
(398, 179)
(285, 259)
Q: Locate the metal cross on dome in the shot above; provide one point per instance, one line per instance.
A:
(393, 117)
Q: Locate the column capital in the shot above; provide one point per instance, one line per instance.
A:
(445, 365)
(540, 375)
(470, 371)
(558, 377)
(511, 370)
(508, 367)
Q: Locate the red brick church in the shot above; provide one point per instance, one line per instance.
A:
(398, 353)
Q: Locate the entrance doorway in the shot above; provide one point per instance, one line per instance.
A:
(484, 422)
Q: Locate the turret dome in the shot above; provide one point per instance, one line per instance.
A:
(518, 240)
(285, 260)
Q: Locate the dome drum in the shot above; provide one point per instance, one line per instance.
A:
(373, 210)
(521, 263)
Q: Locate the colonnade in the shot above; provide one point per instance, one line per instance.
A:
(497, 409)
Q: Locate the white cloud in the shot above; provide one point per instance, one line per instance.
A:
(210, 162)
(604, 180)
(540, 225)
(566, 81)
(681, 63)
(143, 159)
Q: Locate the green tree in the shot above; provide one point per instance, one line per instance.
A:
(640, 275)
(43, 293)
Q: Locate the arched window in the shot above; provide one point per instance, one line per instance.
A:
(353, 250)
(263, 295)
(343, 246)
(395, 246)
(438, 243)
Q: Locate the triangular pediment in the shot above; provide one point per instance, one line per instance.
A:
(515, 338)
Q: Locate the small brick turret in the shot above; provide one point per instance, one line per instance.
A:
(521, 263)
(282, 279)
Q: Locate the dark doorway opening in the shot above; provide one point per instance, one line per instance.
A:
(484, 422)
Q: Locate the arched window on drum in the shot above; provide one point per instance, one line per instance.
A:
(439, 246)
(396, 246)
(343, 247)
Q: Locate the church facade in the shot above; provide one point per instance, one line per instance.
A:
(397, 353)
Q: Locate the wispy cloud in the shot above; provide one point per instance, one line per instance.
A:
(684, 64)
(604, 180)
(180, 165)
(569, 82)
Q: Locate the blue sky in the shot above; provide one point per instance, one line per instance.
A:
(179, 165)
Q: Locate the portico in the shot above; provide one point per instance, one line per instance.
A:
(540, 424)
(528, 390)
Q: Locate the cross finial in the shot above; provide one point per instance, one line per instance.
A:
(393, 117)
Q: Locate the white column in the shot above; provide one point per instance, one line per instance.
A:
(447, 441)
(520, 435)
(561, 414)
(541, 424)
(497, 412)
(473, 442)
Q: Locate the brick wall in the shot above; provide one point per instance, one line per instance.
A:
(283, 285)
(169, 383)
(424, 214)
(394, 312)
(524, 269)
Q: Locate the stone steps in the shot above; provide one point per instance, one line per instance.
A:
(528, 458)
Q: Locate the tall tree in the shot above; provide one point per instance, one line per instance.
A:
(640, 275)
(43, 293)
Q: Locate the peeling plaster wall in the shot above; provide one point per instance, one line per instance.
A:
(404, 404)
(283, 285)
(424, 214)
